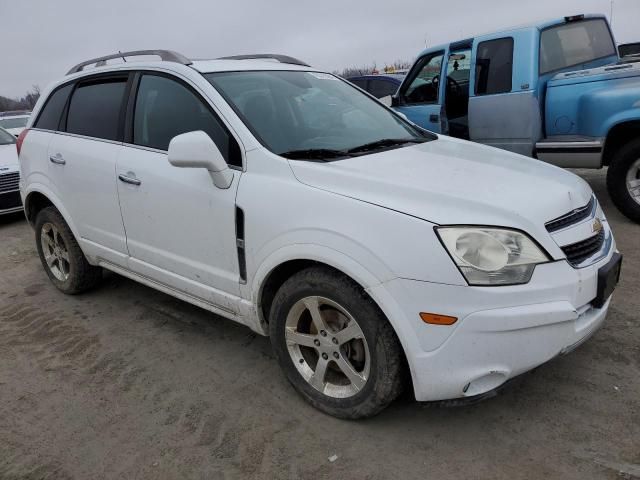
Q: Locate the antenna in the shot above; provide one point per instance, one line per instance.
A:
(611, 15)
(123, 59)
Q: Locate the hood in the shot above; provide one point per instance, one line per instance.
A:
(449, 181)
(8, 157)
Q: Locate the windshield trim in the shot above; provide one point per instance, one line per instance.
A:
(427, 135)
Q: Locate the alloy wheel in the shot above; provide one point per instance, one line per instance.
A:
(327, 347)
(55, 252)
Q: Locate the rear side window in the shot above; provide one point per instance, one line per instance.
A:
(494, 66)
(166, 108)
(574, 43)
(49, 118)
(382, 88)
(95, 108)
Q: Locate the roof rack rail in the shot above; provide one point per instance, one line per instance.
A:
(165, 56)
(273, 56)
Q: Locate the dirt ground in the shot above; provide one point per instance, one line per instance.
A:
(126, 382)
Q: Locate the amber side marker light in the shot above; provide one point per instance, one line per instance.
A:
(436, 319)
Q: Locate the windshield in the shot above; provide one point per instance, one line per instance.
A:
(14, 122)
(574, 43)
(295, 111)
(6, 138)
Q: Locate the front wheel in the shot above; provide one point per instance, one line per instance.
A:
(334, 344)
(623, 180)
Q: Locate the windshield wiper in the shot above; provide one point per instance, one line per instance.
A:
(322, 154)
(385, 142)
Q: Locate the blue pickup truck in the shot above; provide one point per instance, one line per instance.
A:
(557, 91)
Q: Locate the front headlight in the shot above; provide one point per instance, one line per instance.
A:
(492, 256)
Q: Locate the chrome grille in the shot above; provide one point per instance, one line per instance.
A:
(571, 218)
(9, 182)
(578, 252)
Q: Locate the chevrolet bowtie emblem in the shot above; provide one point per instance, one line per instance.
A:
(597, 226)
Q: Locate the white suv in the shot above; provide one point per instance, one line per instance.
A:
(288, 200)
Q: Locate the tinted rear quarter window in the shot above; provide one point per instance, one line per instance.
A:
(574, 43)
(494, 66)
(166, 108)
(95, 108)
(49, 118)
(359, 82)
(382, 88)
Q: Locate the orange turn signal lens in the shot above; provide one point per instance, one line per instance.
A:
(436, 319)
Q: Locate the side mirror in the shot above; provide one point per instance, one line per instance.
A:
(395, 100)
(197, 150)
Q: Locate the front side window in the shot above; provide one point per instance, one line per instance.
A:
(49, 117)
(295, 111)
(6, 138)
(95, 108)
(14, 122)
(166, 108)
(574, 43)
(494, 66)
(424, 86)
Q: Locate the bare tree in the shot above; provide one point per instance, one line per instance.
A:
(372, 69)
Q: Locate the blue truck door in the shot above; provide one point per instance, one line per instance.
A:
(419, 97)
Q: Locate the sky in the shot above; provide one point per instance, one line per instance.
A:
(44, 38)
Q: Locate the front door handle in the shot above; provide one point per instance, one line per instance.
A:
(434, 118)
(129, 179)
(57, 159)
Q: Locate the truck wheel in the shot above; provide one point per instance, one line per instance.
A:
(334, 344)
(623, 180)
(61, 255)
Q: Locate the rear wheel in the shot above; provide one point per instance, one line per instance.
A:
(61, 256)
(623, 180)
(334, 344)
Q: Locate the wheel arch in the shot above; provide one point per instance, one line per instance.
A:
(617, 136)
(38, 197)
(280, 266)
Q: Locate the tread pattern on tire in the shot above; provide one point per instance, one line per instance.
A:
(616, 179)
(83, 276)
(390, 378)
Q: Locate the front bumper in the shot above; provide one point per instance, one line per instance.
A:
(501, 332)
(10, 202)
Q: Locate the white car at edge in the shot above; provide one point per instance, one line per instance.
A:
(14, 122)
(288, 200)
(10, 201)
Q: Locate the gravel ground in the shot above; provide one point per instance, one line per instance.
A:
(126, 382)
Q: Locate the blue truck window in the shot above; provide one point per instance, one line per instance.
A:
(423, 88)
(574, 43)
(494, 66)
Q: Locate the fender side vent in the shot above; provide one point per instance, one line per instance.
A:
(242, 262)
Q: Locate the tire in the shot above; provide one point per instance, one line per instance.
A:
(61, 256)
(625, 162)
(374, 353)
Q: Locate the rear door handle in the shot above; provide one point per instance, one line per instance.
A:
(129, 179)
(57, 159)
